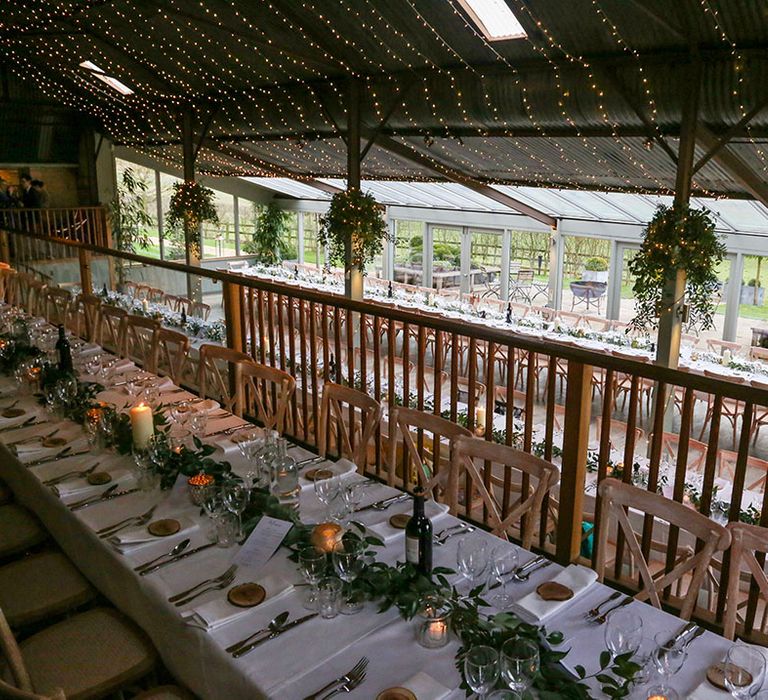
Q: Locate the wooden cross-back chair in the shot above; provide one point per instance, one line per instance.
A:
(348, 435)
(617, 498)
(139, 340)
(66, 659)
(8, 285)
(111, 327)
(475, 459)
(171, 354)
(747, 543)
(219, 376)
(267, 391)
(32, 296)
(57, 303)
(757, 469)
(199, 309)
(419, 438)
(89, 305)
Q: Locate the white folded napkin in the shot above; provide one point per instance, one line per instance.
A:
(81, 488)
(219, 612)
(434, 511)
(33, 452)
(224, 442)
(424, 687)
(132, 538)
(121, 365)
(71, 433)
(340, 468)
(16, 420)
(577, 578)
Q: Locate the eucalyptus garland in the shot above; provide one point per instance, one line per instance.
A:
(357, 217)
(677, 238)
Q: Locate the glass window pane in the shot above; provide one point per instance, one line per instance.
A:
(219, 239)
(585, 275)
(485, 268)
(409, 252)
(446, 259)
(312, 253)
(529, 252)
(145, 194)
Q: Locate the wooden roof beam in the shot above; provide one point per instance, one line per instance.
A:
(455, 175)
(739, 170)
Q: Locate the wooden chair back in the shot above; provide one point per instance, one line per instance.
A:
(487, 466)
(199, 309)
(33, 295)
(110, 335)
(156, 295)
(757, 469)
(747, 543)
(758, 353)
(90, 305)
(57, 303)
(8, 285)
(697, 451)
(171, 354)
(719, 346)
(426, 439)
(139, 340)
(617, 498)
(219, 376)
(267, 392)
(352, 429)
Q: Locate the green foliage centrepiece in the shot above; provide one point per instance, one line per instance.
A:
(268, 243)
(677, 239)
(596, 264)
(353, 216)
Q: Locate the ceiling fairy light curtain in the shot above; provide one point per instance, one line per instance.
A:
(588, 98)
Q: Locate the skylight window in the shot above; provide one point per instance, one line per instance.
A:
(114, 83)
(494, 19)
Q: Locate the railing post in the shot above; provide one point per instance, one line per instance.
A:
(578, 405)
(233, 315)
(86, 278)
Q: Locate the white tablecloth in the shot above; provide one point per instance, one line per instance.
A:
(302, 660)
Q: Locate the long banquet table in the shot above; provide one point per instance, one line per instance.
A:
(302, 660)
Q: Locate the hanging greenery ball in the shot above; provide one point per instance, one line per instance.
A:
(356, 217)
(677, 239)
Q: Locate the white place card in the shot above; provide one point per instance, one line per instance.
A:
(262, 543)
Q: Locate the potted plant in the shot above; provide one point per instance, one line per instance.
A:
(595, 270)
(354, 232)
(677, 239)
(191, 205)
(268, 244)
(752, 293)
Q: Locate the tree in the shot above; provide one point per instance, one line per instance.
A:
(129, 218)
(268, 244)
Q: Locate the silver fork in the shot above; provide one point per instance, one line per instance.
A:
(455, 533)
(76, 473)
(136, 521)
(184, 594)
(213, 587)
(34, 438)
(346, 687)
(348, 677)
(596, 610)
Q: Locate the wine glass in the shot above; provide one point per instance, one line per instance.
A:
(503, 562)
(145, 474)
(312, 564)
(481, 669)
(236, 499)
(668, 656)
(93, 365)
(472, 559)
(349, 561)
(519, 663)
(623, 632)
(352, 495)
(327, 490)
(744, 670)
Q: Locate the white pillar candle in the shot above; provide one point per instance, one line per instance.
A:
(142, 425)
(145, 306)
(480, 417)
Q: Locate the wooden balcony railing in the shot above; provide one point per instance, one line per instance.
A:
(83, 224)
(586, 411)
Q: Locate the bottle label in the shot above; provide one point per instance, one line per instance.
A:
(412, 550)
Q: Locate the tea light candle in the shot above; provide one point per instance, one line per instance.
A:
(142, 425)
(433, 629)
(326, 536)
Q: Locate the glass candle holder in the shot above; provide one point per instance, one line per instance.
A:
(199, 486)
(432, 629)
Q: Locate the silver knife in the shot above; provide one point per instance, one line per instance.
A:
(181, 556)
(384, 502)
(92, 499)
(26, 423)
(59, 455)
(299, 621)
(228, 431)
(528, 565)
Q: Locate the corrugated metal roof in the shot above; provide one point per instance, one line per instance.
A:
(564, 107)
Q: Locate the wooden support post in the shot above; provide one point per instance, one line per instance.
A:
(353, 275)
(5, 248)
(578, 403)
(86, 278)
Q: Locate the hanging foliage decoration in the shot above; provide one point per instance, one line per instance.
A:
(353, 216)
(191, 205)
(677, 239)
